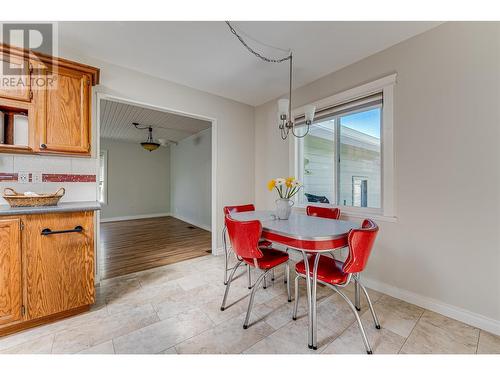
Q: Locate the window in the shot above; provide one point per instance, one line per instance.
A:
(103, 170)
(346, 159)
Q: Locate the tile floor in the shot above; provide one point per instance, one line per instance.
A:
(175, 309)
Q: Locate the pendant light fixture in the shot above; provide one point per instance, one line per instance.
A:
(285, 121)
(150, 144)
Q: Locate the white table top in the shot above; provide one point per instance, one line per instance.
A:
(299, 226)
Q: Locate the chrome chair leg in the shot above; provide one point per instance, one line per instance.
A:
(296, 305)
(272, 274)
(223, 306)
(357, 303)
(226, 255)
(361, 328)
(284, 279)
(249, 274)
(265, 283)
(372, 310)
(252, 296)
(315, 303)
(287, 277)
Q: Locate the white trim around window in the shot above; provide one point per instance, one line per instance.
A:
(103, 174)
(385, 86)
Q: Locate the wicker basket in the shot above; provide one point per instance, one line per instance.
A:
(16, 199)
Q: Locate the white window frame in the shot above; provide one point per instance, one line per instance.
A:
(386, 86)
(104, 153)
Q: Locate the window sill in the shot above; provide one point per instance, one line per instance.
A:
(352, 214)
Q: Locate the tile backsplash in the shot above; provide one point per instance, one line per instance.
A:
(76, 175)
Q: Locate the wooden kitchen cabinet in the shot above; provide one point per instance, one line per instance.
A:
(65, 124)
(59, 264)
(16, 86)
(59, 95)
(46, 268)
(10, 272)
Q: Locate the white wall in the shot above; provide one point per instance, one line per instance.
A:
(190, 177)
(234, 121)
(443, 252)
(138, 181)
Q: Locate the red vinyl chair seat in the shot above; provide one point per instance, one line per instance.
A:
(329, 270)
(270, 259)
(265, 243)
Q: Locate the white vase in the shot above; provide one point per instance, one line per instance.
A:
(283, 208)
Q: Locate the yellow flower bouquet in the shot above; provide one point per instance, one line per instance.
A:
(286, 188)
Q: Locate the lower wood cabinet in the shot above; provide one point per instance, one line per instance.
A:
(46, 267)
(10, 272)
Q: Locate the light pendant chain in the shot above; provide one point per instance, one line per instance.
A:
(264, 58)
(286, 121)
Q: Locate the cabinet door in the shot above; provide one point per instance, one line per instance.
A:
(65, 127)
(18, 85)
(59, 266)
(10, 271)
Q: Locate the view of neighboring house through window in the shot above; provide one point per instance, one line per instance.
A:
(340, 159)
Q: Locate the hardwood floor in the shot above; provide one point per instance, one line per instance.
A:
(136, 245)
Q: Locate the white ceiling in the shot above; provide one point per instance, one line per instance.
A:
(117, 118)
(206, 56)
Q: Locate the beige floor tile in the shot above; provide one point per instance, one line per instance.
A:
(38, 332)
(41, 345)
(142, 296)
(157, 337)
(101, 330)
(292, 338)
(104, 348)
(169, 351)
(437, 334)
(176, 308)
(382, 341)
(395, 315)
(488, 343)
(226, 338)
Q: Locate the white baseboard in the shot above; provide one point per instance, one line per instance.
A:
(134, 217)
(192, 222)
(454, 312)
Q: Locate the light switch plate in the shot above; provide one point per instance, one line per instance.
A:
(23, 177)
(36, 177)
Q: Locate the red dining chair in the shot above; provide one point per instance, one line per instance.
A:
(336, 274)
(325, 212)
(244, 236)
(228, 210)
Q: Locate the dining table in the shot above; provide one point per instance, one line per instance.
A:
(310, 235)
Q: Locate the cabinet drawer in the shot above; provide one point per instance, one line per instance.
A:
(60, 262)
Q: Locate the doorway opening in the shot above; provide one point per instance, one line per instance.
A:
(157, 195)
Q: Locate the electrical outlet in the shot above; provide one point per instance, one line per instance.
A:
(36, 177)
(23, 177)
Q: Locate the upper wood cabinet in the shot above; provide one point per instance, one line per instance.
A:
(15, 86)
(65, 126)
(57, 98)
(10, 272)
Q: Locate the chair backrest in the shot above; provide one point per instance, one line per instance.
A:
(244, 236)
(326, 212)
(241, 208)
(360, 246)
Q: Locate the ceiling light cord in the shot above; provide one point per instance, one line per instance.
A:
(259, 55)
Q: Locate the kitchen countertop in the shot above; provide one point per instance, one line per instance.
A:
(61, 207)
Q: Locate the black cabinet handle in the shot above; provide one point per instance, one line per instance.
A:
(43, 146)
(48, 231)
